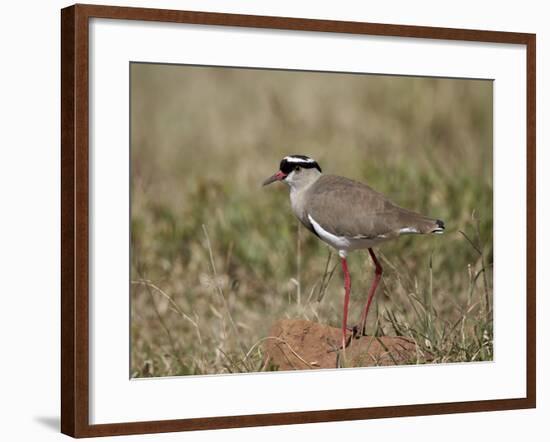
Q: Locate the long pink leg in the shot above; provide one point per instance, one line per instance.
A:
(347, 288)
(377, 277)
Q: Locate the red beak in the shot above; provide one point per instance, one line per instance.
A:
(277, 177)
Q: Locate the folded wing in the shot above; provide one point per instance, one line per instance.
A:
(351, 209)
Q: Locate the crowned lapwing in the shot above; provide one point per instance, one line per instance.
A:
(347, 215)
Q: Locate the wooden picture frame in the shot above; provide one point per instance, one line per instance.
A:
(75, 379)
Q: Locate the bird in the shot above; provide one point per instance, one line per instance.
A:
(347, 215)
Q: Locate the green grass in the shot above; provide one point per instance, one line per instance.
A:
(216, 258)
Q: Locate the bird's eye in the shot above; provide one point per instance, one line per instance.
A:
(298, 168)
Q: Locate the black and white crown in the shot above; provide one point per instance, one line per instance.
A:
(291, 162)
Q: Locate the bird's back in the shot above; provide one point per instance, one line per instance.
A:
(345, 207)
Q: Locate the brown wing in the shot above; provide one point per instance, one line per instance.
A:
(348, 208)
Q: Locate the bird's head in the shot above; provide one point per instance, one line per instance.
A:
(296, 171)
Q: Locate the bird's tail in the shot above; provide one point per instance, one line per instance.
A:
(439, 227)
(413, 222)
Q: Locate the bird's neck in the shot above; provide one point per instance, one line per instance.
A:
(303, 184)
(298, 192)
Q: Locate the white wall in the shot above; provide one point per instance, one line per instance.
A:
(29, 219)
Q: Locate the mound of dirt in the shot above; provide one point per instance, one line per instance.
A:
(297, 344)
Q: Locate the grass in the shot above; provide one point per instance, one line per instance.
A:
(216, 259)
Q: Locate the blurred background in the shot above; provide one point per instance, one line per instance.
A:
(216, 259)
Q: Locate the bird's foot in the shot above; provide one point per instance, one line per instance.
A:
(356, 331)
(341, 345)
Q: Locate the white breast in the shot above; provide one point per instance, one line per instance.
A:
(338, 242)
(344, 243)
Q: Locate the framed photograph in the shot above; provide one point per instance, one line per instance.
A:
(272, 220)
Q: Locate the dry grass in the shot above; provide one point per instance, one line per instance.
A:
(216, 259)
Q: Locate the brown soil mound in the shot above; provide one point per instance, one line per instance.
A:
(297, 344)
